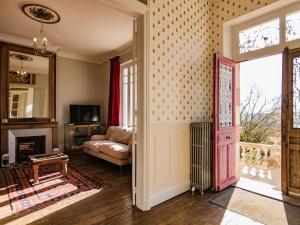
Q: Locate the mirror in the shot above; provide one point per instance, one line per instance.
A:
(28, 79)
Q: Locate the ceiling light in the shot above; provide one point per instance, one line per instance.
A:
(44, 15)
(22, 58)
(40, 43)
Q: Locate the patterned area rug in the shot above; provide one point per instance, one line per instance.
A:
(260, 208)
(24, 197)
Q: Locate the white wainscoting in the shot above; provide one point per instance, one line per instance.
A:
(169, 161)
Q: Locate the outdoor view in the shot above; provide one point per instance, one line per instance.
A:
(261, 120)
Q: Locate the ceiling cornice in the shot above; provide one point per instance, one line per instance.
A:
(127, 48)
(132, 8)
(25, 42)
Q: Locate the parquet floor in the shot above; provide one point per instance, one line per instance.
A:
(113, 204)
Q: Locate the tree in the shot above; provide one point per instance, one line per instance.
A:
(260, 119)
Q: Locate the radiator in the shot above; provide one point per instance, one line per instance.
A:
(201, 156)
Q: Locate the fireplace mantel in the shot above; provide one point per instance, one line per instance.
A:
(6, 128)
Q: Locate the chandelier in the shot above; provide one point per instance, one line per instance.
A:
(21, 58)
(21, 72)
(44, 15)
(40, 43)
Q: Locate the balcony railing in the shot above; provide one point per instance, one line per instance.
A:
(260, 155)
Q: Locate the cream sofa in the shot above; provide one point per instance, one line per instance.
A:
(114, 147)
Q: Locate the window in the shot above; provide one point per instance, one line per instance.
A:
(265, 35)
(259, 36)
(128, 96)
(293, 26)
(296, 92)
(17, 102)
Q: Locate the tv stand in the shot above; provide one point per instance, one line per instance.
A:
(76, 134)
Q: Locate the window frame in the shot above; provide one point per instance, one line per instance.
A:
(130, 94)
(281, 14)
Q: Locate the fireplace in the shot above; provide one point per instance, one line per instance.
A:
(26, 146)
(14, 134)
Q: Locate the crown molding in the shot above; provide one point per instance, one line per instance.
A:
(131, 8)
(127, 48)
(59, 52)
(74, 56)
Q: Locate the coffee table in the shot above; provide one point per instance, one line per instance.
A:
(44, 159)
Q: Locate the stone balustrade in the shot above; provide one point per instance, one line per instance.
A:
(260, 155)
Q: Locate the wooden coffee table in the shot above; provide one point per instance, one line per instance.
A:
(44, 159)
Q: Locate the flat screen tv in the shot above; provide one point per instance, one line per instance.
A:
(84, 113)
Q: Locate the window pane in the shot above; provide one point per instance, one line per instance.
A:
(225, 93)
(131, 69)
(260, 36)
(125, 72)
(125, 80)
(296, 92)
(131, 104)
(293, 26)
(128, 86)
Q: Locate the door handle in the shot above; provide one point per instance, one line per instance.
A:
(228, 137)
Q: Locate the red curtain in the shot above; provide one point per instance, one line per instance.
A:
(114, 93)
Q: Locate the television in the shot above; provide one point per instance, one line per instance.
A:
(84, 113)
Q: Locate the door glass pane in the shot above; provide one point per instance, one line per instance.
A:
(296, 92)
(260, 36)
(293, 26)
(225, 96)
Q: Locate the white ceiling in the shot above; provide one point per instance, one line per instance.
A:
(87, 28)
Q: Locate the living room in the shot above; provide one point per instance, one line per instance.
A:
(60, 84)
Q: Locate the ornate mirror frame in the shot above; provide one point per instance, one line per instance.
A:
(5, 48)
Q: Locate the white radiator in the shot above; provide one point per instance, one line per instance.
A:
(201, 156)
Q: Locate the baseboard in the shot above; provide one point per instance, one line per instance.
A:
(169, 193)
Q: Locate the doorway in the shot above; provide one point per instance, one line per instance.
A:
(260, 125)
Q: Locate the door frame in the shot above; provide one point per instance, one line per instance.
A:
(140, 13)
(284, 129)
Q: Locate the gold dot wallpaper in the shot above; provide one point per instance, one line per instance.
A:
(184, 36)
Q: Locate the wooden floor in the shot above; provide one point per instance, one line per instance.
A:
(113, 204)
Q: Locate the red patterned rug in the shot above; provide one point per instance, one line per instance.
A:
(24, 197)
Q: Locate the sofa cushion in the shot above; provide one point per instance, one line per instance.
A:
(118, 134)
(113, 149)
(98, 137)
(92, 145)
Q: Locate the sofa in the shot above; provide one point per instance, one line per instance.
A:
(115, 146)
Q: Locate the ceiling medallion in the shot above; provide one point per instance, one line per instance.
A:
(22, 58)
(40, 13)
(44, 15)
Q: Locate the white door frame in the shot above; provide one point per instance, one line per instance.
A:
(140, 13)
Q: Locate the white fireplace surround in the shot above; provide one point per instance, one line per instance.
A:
(13, 134)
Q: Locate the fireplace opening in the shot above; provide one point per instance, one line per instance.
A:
(26, 146)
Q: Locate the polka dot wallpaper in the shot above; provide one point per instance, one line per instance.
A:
(184, 36)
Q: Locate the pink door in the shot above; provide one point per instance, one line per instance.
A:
(224, 150)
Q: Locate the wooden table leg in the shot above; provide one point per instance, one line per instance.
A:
(35, 173)
(64, 167)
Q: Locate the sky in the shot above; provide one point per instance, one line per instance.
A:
(265, 73)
